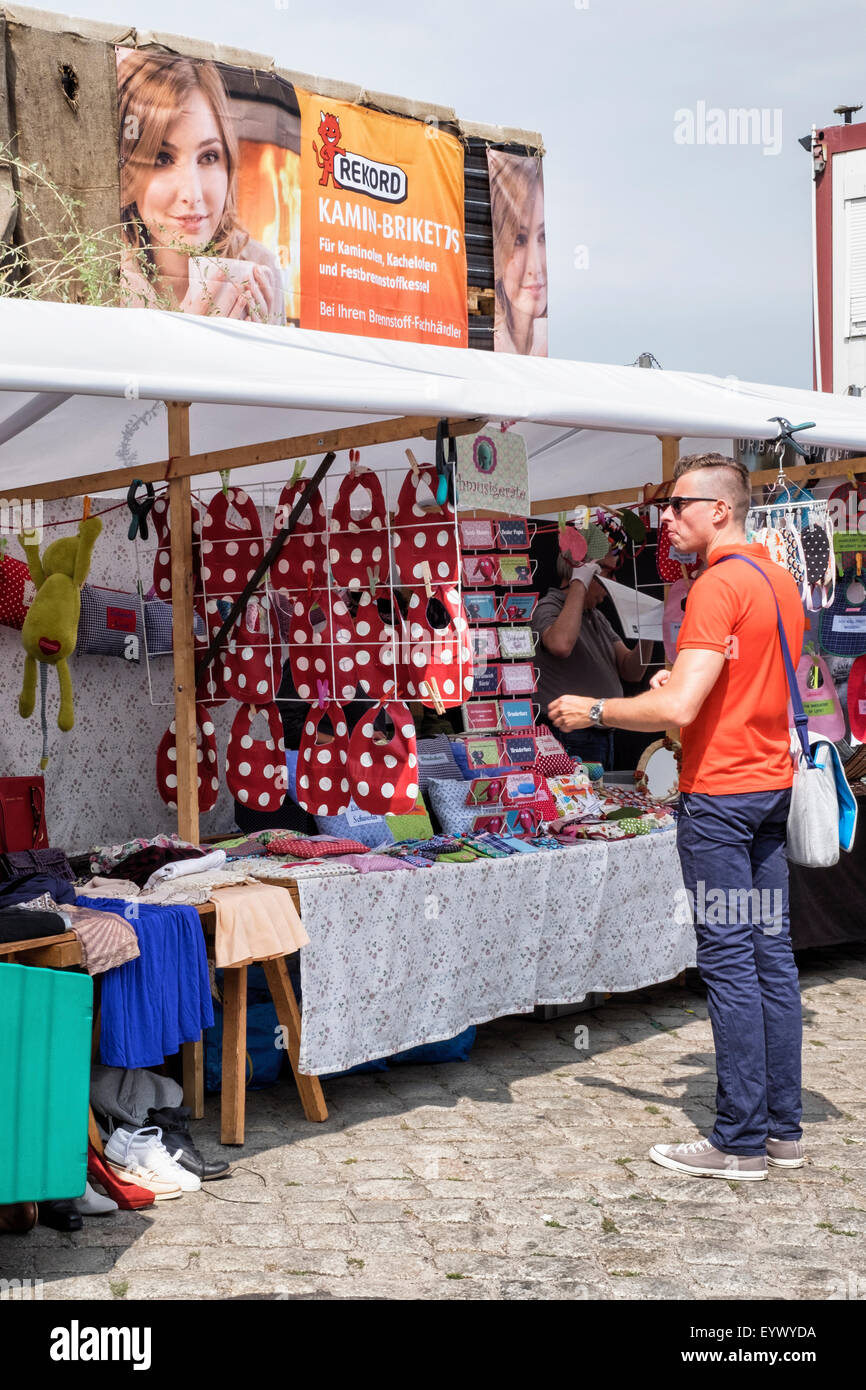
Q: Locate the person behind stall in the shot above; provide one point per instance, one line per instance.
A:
(578, 651)
(728, 692)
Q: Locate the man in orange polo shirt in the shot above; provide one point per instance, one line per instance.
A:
(728, 692)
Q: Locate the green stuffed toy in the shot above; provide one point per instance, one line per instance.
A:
(50, 629)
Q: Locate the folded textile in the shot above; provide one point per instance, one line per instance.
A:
(106, 939)
(178, 867)
(315, 847)
(374, 863)
(255, 921)
(127, 1094)
(153, 1004)
(101, 887)
(140, 865)
(45, 903)
(30, 886)
(104, 857)
(18, 924)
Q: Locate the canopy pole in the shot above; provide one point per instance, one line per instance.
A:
(180, 511)
(670, 454)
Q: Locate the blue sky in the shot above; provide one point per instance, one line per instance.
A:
(698, 252)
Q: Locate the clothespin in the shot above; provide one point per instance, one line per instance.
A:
(428, 579)
(86, 513)
(433, 690)
(581, 518)
(413, 463)
(850, 476)
(298, 472)
(561, 520)
(373, 579)
(354, 460)
(224, 480)
(324, 694)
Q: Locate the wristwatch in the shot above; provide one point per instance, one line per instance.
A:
(596, 714)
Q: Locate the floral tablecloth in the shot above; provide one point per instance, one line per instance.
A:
(400, 959)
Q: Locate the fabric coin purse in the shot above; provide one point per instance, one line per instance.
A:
(301, 560)
(321, 650)
(251, 657)
(206, 756)
(161, 518)
(232, 544)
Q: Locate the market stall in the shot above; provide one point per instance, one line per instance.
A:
(395, 959)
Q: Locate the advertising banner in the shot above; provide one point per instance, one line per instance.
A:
(519, 253)
(382, 249)
(244, 197)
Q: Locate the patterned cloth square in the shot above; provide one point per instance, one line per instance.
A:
(108, 618)
(313, 849)
(436, 759)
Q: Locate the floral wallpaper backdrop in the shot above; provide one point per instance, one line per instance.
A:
(100, 783)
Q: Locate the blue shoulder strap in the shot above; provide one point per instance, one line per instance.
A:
(801, 723)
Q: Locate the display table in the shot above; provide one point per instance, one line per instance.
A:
(403, 958)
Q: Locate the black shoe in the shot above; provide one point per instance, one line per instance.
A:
(174, 1123)
(60, 1215)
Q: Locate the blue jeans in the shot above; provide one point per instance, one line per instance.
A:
(728, 844)
(590, 745)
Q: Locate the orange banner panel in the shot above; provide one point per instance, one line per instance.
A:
(382, 235)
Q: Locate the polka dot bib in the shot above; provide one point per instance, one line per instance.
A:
(256, 768)
(206, 755)
(357, 546)
(162, 560)
(384, 776)
(251, 658)
(377, 649)
(440, 654)
(229, 552)
(17, 591)
(669, 567)
(210, 689)
(321, 638)
(420, 535)
(322, 774)
(817, 546)
(303, 553)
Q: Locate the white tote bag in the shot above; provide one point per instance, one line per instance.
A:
(813, 819)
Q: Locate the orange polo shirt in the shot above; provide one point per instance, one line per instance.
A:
(739, 741)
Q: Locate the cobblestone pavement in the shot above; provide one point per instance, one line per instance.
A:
(520, 1174)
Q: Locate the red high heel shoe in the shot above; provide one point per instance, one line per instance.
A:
(127, 1195)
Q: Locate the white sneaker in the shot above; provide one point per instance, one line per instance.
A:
(144, 1148)
(94, 1203)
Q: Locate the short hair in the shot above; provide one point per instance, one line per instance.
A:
(734, 481)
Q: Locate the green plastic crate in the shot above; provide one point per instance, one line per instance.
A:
(44, 1082)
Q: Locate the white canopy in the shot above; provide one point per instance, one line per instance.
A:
(77, 383)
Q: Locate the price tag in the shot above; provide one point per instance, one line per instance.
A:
(849, 622)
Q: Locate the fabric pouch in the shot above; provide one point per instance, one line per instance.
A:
(109, 617)
(299, 848)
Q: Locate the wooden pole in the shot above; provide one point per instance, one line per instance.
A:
(670, 454)
(182, 627)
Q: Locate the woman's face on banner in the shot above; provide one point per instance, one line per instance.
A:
(525, 276)
(183, 198)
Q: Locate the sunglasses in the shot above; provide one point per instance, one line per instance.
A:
(676, 504)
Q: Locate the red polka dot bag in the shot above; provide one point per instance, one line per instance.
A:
(322, 778)
(251, 657)
(160, 517)
(206, 754)
(424, 532)
(384, 776)
(256, 768)
(358, 546)
(321, 646)
(302, 557)
(438, 654)
(232, 543)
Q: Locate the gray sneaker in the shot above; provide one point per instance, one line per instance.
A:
(786, 1153)
(703, 1161)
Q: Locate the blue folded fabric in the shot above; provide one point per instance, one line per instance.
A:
(150, 1006)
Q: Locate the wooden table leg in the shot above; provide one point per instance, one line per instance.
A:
(193, 1077)
(234, 1070)
(286, 1005)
